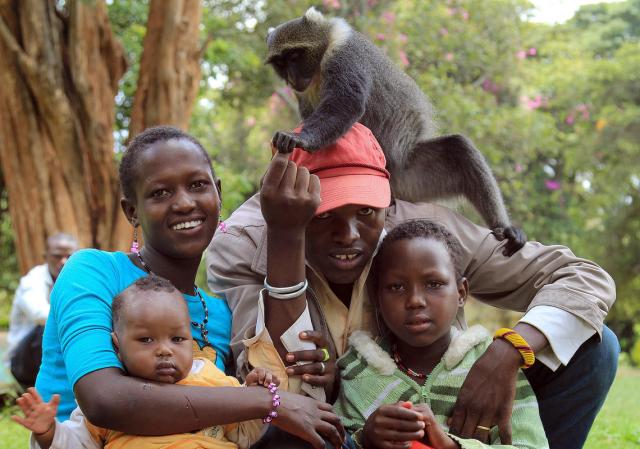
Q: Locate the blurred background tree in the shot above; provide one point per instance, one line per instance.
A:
(554, 108)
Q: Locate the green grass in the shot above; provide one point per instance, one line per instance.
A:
(616, 427)
(618, 423)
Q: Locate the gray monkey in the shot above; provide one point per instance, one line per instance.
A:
(340, 77)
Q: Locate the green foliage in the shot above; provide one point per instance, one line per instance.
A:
(9, 275)
(555, 109)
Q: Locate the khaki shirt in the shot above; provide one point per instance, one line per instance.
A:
(537, 275)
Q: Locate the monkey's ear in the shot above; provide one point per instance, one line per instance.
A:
(313, 15)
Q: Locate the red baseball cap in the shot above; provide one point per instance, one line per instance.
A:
(351, 171)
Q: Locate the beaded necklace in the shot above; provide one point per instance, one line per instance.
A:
(405, 369)
(204, 332)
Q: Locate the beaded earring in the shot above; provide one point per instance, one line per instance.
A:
(222, 226)
(135, 249)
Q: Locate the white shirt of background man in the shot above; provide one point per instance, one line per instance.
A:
(30, 305)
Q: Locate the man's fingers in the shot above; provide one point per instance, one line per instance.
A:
(457, 418)
(484, 428)
(275, 171)
(314, 185)
(318, 381)
(315, 336)
(308, 355)
(504, 430)
(302, 180)
(471, 421)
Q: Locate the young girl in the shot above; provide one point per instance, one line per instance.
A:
(403, 387)
(170, 194)
(153, 344)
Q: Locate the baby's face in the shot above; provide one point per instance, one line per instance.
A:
(154, 337)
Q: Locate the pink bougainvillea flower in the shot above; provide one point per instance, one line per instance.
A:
(534, 103)
(490, 86)
(532, 51)
(584, 110)
(381, 36)
(449, 56)
(333, 4)
(550, 184)
(521, 54)
(570, 120)
(404, 60)
(389, 17)
(403, 38)
(518, 168)
(275, 102)
(464, 14)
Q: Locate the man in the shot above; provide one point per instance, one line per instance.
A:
(31, 308)
(565, 298)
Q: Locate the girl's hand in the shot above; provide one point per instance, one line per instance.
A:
(435, 435)
(289, 195)
(320, 371)
(261, 377)
(39, 416)
(311, 420)
(393, 427)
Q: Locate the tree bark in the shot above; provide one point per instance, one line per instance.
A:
(169, 67)
(59, 75)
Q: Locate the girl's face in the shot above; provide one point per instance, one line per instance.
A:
(177, 203)
(418, 292)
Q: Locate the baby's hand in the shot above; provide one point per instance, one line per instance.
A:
(261, 376)
(39, 416)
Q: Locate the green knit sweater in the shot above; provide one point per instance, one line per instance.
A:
(370, 378)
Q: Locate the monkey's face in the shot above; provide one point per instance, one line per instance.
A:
(297, 66)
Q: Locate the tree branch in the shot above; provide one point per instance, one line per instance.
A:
(11, 42)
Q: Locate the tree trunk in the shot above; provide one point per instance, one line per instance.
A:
(59, 75)
(170, 66)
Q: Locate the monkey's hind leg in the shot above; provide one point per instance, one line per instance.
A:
(451, 166)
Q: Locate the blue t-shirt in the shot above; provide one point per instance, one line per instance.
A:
(77, 336)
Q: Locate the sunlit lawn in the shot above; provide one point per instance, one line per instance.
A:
(617, 425)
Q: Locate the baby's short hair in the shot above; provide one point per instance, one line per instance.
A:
(151, 282)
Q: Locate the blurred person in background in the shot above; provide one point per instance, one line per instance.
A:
(31, 308)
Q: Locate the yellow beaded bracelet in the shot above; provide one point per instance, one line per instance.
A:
(519, 343)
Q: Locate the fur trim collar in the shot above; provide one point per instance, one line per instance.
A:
(461, 343)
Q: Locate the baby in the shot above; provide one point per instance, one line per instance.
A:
(152, 337)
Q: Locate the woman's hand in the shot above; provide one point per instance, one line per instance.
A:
(289, 195)
(320, 371)
(311, 420)
(393, 427)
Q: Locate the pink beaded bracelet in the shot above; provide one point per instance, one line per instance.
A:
(275, 402)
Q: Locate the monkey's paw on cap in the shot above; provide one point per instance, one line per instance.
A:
(351, 171)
